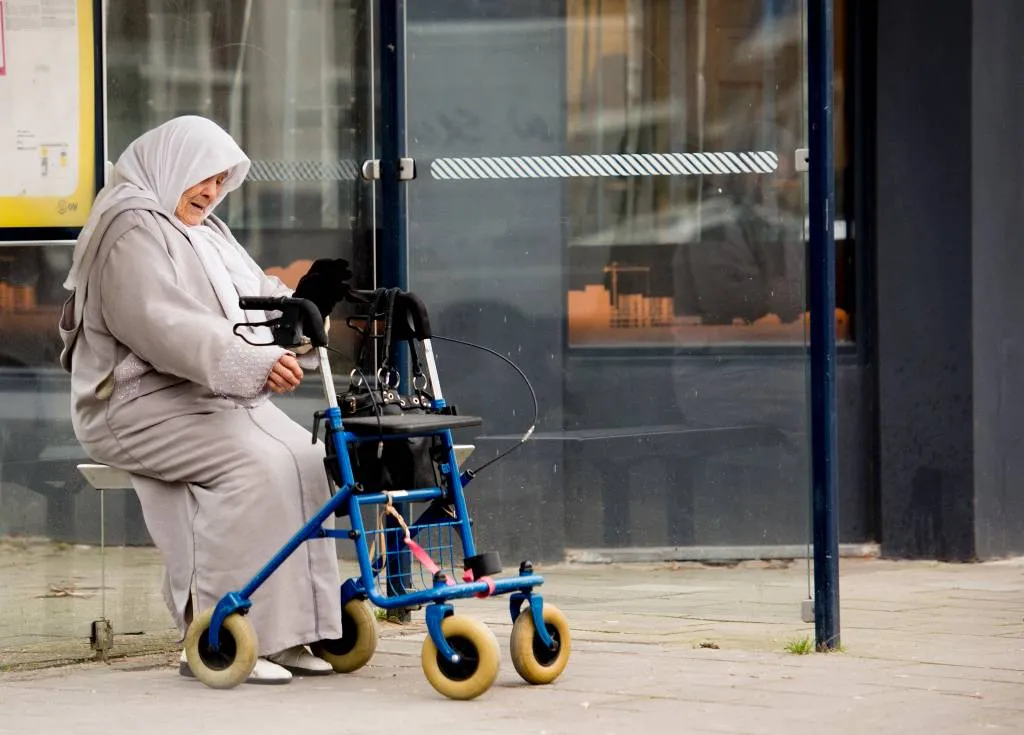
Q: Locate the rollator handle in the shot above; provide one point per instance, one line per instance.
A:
(411, 319)
(416, 311)
(299, 317)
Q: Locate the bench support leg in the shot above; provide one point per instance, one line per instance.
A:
(101, 635)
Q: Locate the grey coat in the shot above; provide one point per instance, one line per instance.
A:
(163, 389)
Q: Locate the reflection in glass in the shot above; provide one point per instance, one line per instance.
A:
(704, 245)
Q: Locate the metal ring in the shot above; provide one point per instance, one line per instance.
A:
(390, 379)
(421, 385)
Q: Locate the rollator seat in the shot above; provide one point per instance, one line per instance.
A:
(408, 424)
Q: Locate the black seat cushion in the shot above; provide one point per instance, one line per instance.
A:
(414, 423)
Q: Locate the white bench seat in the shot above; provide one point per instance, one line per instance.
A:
(102, 477)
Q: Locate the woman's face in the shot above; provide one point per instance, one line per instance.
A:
(194, 202)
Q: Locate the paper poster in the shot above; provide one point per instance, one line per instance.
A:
(48, 102)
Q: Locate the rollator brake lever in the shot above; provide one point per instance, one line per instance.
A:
(318, 416)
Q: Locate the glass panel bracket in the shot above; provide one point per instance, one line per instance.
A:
(807, 610)
(406, 169)
(802, 160)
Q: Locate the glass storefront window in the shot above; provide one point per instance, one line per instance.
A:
(705, 243)
(290, 82)
(282, 79)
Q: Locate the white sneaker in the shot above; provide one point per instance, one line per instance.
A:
(267, 672)
(264, 672)
(299, 660)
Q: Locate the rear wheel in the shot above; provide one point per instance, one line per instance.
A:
(358, 640)
(234, 658)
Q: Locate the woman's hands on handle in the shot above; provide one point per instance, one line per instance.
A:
(285, 376)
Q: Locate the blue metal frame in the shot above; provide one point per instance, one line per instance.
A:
(394, 235)
(822, 271)
(363, 586)
(536, 602)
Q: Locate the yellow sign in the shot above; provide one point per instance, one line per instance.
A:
(47, 112)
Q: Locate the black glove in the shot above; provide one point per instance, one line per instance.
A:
(325, 284)
(335, 268)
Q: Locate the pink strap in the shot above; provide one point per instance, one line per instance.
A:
(468, 577)
(424, 559)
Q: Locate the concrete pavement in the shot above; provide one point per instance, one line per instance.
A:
(690, 648)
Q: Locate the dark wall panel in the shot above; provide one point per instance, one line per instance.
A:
(924, 291)
(998, 272)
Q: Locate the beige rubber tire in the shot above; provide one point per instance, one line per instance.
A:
(236, 658)
(531, 659)
(479, 668)
(358, 640)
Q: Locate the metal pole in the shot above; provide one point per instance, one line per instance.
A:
(394, 250)
(391, 51)
(822, 273)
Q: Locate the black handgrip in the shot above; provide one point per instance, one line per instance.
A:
(416, 310)
(260, 303)
(301, 313)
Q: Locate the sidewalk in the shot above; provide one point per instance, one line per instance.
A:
(688, 648)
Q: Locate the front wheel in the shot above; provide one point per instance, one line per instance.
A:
(478, 659)
(234, 658)
(358, 640)
(534, 661)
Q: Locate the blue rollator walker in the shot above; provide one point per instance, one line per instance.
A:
(460, 654)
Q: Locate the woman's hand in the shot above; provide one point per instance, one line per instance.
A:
(285, 375)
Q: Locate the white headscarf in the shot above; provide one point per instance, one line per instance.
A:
(159, 166)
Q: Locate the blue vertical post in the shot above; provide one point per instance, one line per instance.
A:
(822, 273)
(393, 268)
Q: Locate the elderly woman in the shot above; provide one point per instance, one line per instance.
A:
(162, 388)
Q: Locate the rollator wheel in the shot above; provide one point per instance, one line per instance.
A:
(358, 640)
(234, 658)
(534, 661)
(478, 667)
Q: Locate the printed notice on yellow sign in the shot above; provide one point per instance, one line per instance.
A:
(47, 113)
